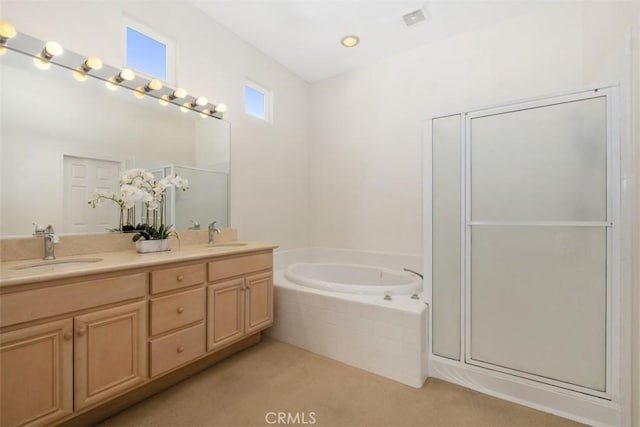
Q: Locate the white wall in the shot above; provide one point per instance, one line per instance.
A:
(366, 169)
(268, 161)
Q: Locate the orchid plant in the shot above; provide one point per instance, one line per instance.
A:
(139, 185)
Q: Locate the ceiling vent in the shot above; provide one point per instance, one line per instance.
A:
(412, 18)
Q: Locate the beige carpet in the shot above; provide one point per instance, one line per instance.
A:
(274, 377)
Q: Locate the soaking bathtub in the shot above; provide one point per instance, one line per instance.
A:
(353, 279)
(358, 314)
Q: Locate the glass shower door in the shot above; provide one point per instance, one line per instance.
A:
(538, 238)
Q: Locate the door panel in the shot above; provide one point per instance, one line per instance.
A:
(225, 319)
(539, 299)
(446, 235)
(259, 304)
(110, 352)
(36, 381)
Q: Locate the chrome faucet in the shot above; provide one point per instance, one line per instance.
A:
(415, 293)
(212, 233)
(50, 239)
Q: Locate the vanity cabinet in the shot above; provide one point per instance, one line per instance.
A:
(52, 369)
(36, 367)
(70, 345)
(242, 305)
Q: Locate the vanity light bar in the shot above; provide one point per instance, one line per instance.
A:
(83, 67)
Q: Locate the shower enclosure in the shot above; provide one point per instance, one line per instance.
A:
(521, 238)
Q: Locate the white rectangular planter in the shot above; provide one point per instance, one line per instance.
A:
(146, 246)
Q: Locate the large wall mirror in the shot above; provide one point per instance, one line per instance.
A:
(62, 139)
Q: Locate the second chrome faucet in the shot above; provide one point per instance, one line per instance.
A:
(212, 233)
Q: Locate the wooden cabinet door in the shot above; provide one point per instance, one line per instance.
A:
(36, 367)
(110, 352)
(225, 317)
(259, 302)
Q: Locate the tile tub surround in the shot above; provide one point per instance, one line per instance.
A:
(387, 338)
(24, 248)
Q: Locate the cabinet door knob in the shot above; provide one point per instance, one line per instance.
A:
(180, 278)
(180, 310)
(180, 349)
(81, 331)
(67, 336)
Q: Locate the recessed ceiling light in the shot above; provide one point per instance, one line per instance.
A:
(350, 41)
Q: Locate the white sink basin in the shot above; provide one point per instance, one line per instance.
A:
(58, 264)
(227, 245)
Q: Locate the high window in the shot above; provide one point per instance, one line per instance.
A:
(257, 101)
(148, 52)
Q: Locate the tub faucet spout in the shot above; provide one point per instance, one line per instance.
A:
(415, 294)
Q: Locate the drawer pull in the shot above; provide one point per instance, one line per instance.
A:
(180, 349)
(81, 331)
(67, 336)
(180, 310)
(180, 278)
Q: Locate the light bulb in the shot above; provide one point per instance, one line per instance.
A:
(153, 85)
(41, 63)
(92, 63)
(52, 49)
(201, 101)
(178, 93)
(3, 50)
(111, 84)
(185, 107)
(164, 100)
(126, 74)
(79, 74)
(7, 31)
(220, 108)
(139, 92)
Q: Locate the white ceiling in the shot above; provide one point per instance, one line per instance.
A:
(304, 35)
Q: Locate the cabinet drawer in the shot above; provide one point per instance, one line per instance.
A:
(17, 307)
(229, 267)
(176, 310)
(176, 278)
(176, 349)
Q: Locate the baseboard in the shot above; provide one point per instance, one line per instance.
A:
(564, 403)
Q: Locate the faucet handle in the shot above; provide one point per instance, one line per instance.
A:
(212, 226)
(39, 229)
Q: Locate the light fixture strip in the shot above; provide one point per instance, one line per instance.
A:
(95, 68)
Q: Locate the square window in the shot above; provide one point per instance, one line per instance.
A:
(146, 54)
(256, 101)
